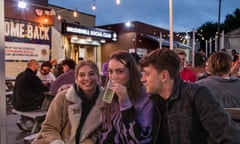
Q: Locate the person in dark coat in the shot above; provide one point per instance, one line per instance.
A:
(184, 113)
(28, 89)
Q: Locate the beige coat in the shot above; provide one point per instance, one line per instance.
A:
(63, 118)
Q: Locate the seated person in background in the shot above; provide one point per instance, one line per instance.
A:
(65, 78)
(57, 68)
(200, 58)
(74, 116)
(104, 73)
(186, 74)
(223, 87)
(45, 74)
(27, 92)
(206, 73)
(235, 69)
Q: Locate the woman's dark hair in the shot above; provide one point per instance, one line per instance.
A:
(134, 84)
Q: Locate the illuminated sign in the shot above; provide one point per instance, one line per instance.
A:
(26, 40)
(23, 30)
(94, 32)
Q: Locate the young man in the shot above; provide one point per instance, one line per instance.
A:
(45, 74)
(183, 112)
(186, 74)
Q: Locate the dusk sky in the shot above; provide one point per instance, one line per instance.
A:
(187, 14)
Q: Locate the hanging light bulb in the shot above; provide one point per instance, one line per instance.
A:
(118, 2)
(75, 14)
(93, 6)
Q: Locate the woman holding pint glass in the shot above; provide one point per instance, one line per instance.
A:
(127, 114)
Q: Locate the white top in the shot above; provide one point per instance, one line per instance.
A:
(49, 78)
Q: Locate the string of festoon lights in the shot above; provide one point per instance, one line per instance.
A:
(118, 2)
(23, 4)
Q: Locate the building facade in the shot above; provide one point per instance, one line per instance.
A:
(138, 37)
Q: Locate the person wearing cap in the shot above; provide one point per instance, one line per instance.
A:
(66, 78)
(186, 74)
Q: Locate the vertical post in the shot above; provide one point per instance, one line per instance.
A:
(193, 48)
(3, 129)
(217, 47)
(160, 40)
(218, 26)
(222, 40)
(206, 46)
(171, 24)
(210, 45)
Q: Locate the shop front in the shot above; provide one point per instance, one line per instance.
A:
(85, 42)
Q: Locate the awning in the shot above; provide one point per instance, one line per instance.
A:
(165, 42)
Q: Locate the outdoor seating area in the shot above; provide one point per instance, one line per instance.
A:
(37, 116)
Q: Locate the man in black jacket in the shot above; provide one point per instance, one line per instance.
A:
(183, 112)
(28, 89)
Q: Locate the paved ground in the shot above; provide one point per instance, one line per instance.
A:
(14, 134)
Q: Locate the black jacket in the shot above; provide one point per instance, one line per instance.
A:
(27, 93)
(194, 115)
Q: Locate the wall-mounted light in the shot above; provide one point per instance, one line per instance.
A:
(22, 4)
(59, 17)
(45, 20)
(128, 24)
(75, 14)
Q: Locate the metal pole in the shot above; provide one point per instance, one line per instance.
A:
(171, 24)
(222, 40)
(210, 45)
(206, 45)
(3, 129)
(218, 26)
(193, 49)
(160, 40)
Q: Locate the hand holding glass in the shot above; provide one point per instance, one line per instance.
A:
(108, 92)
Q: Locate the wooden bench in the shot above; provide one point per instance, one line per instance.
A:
(37, 116)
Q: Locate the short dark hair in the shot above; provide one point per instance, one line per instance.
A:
(70, 62)
(46, 64)
(162, 59)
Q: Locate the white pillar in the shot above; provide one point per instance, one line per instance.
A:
(216, 43)
(206, 46)
(222, 40)
(3, 129)
(210, 45)
(171, 24)
(193, 49)
(160, 40)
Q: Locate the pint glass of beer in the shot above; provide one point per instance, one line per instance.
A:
(108, 92)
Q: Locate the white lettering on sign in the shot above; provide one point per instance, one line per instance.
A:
(88, 32)
(78, 30)
(23, 30)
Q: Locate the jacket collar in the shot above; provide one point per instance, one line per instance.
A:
(175, 93)
(176, 88)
